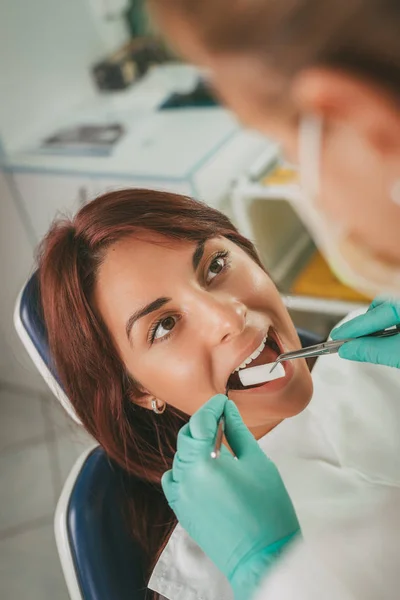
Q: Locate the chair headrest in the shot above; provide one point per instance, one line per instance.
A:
(30, 326)
(31, 314)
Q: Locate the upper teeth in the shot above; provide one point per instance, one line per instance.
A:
(254, 355)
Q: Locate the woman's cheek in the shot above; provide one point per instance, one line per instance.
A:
(182, 384)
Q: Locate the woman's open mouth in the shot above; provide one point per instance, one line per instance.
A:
(266, 353)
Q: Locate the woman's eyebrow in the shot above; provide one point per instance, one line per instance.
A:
(142, 312)
(198, 254)
(156, 304)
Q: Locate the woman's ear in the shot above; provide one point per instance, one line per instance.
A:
(342, 98)
(138, 395)
(151, 403)
(142, 397)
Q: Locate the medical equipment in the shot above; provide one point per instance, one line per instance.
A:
(330, 347)
(220, 433)
(218, 439)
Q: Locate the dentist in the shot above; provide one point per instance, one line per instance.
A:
(324, 79)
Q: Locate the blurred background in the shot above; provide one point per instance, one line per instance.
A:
(91, 100)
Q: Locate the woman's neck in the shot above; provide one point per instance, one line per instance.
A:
(258, 432)
(261, 430)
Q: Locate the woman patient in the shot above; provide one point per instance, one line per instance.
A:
(152, 301)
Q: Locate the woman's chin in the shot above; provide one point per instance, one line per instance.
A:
(277, 400)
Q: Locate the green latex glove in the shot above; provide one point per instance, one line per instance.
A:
(381, 314)
(237, 510)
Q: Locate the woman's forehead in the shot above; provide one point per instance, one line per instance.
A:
(143, 241)
(148, 261)
(143, 255)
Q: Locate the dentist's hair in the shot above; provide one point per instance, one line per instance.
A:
(357, 36)
(94, 378)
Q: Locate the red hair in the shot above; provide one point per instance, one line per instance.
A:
(88, 365)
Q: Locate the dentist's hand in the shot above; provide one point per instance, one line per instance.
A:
(381, 314)
(237, 510)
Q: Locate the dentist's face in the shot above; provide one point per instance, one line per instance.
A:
(360, 161)
(183, 316)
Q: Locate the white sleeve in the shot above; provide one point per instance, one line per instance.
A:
(359, 561)
(301, 575)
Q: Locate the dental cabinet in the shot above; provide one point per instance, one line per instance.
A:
(196, 152)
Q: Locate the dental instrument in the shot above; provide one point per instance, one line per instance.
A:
(330, 347)
(220, 434)
(218, 439)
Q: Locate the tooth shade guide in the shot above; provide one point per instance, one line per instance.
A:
(261, 374)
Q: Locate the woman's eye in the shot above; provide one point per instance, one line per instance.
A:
(164, 327)
(216, 266)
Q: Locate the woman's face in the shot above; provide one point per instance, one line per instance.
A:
(183, 317)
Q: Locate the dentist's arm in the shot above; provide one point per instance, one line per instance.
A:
(381, 351)
(237, 510)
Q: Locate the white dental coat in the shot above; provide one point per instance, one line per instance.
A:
(340, 461)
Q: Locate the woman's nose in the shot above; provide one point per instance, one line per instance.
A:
(224, 319)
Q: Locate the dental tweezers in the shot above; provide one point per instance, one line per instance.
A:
(330, 347)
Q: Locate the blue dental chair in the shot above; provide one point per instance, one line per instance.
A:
(99, 558)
